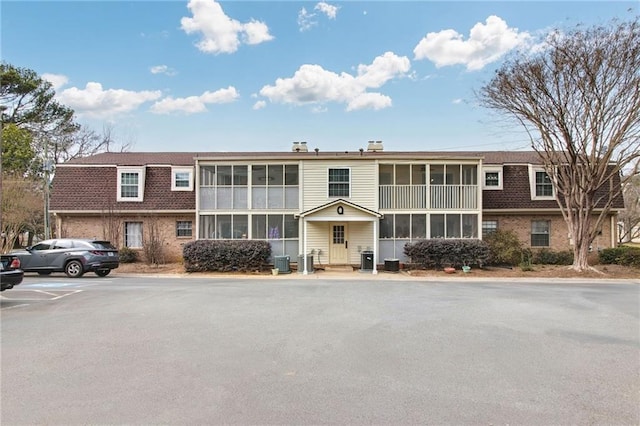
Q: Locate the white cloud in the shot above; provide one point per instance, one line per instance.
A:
(312, 84)
(162, 69)
(456, 101)
(56, 80)
(486, 43)
(259, 105)
(305, 20)
(195, 104)
(94, 101)
(220, 33)
(329, 10)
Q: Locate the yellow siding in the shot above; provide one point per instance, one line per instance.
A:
(314, 177)
(360, 237)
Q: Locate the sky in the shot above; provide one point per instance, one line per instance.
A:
(204, 75)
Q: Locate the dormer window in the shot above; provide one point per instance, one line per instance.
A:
(182, 179)
(492, 178)
(541, 184)
(130, 184)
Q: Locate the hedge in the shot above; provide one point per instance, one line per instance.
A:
(226, 255)
(439, 252)
(623, 255)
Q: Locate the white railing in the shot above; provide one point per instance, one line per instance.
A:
(449, 197)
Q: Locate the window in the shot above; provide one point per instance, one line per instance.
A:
(544, 188)
(489, 227)
(274, 186)
(224, 227)
(224, 187)
(454, 225)
(540, 230)
(133, 234)
(492, 177)
(130, 184)
(184, 228)
(181, 179)
(339, 183)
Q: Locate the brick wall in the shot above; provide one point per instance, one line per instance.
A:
(95, 227)
(559, 234)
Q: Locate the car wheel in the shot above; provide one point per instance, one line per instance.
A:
(103, 272)
(74, 269)
(44, 272)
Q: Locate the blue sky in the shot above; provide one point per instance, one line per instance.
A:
(202, 75)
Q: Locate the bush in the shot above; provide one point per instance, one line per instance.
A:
(505, 248)
(226, 255)
(549, 257)
(623, 255)
(128, 255)
(438, 252)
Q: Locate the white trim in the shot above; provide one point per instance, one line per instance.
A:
(175, 171)
(492, 169)
(141, 174)
(533, 170)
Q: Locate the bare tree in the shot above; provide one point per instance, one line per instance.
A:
(21, 210)
(579, 100)
(630, 217)
(112, 225)
(153, 240)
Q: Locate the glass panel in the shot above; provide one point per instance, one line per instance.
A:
(224, 226)
(338, 234)
(385, 174)
(469, 175)
(276, 174)
(290, 226)
(258, 197)
(338, 182)
(207, 227)
(403, 226)
(291, 174)
(223, 197)
(291, 249)
(386, 226)
(182, 180)
(240, 226)
(437, 226)
(277, 248)
(276, 197)
(418, 174)
(437, 174)
(544, 187)
(258, 175)
(183, 228)
(453, 226)
(240, 197)
(492, 179)
(418, 226)
(240, 175)
(489, 226)
(469, 226)
(453, 174)
(224, 176)
(387, 251)
(291, 197)
(207, 176)
(403, 174)
(275, 226)
(259, 226)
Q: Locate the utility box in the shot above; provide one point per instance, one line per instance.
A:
(366, 260)
(310, 268)
(392, 265)
(282, 264)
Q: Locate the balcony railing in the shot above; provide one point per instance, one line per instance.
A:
(438, 197)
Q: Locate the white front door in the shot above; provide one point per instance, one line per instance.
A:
(338, 244)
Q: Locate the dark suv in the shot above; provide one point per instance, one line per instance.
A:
(74, 257)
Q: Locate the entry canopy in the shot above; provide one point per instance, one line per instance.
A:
(339, 209)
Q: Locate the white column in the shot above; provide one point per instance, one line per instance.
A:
(304, 251)
(375, 247)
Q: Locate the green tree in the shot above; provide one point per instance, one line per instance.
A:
(578, 98)
(17, 150)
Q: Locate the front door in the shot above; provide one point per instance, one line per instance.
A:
(339, 246)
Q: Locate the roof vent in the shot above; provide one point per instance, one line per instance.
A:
(299, 147)
(375, 146)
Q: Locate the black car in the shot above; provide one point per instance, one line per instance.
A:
(10, 273)
(73, 256)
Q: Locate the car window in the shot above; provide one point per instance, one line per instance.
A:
(83, 244)
(42, 246)
(104, 245)
(63, 244)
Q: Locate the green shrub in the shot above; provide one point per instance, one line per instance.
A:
(550, 257)
(505, 248)
(438, 252)
(623, 255)
(128, 255)
(226, 255)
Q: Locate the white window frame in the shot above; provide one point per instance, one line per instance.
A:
(140, 172)
(138, 239)
(492, 169)
(328, 183)
(532, 184)
(174, 175)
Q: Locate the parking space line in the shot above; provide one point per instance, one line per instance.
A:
(15, 306)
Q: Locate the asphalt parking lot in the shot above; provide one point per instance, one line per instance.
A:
(167, 350)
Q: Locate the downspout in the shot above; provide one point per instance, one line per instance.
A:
(375, 247)
(304, 251)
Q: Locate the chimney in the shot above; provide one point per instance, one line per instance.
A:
(375, 146)
(299, 147)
